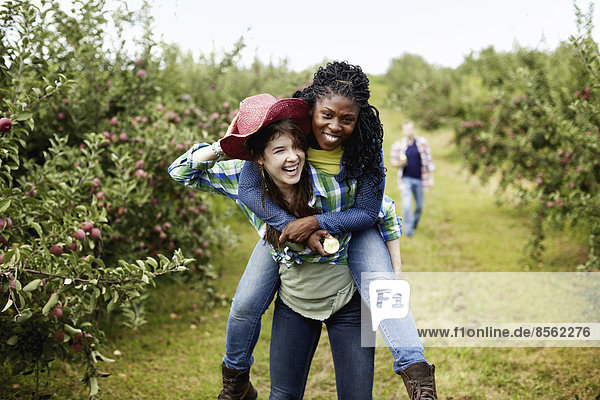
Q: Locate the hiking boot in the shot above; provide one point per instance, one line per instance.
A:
(419, 380)
(237, 385)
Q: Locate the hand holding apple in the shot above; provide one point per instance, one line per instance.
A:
(402, 160)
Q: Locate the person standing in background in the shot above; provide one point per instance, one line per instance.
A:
(412, 156)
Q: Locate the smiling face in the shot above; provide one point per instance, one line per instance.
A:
(333, 120)
(283, 159)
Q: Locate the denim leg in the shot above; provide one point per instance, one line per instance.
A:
(354, 365)
(368, 253)
(252, 297)
(294, 340)
(419, 201)
(407, 200)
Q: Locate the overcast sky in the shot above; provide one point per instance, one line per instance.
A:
(368, 32)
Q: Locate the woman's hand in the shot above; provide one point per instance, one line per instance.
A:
(299, 230)
(314, 242)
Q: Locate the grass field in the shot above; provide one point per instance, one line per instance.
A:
(178, 354)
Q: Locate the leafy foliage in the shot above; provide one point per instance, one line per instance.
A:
(88, 214)
(529, 118)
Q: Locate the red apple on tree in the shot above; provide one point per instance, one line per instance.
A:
(5, 223)
(55, 250)
(58, 312)
(31, 192)
(87, 338)
(87, 226)
(79, 234)
(95, 233)
(5, 124)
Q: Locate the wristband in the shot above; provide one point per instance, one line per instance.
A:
(216, 148)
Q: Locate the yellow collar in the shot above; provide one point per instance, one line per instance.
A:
(326, 161)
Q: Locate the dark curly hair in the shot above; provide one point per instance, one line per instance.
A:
(362, 150)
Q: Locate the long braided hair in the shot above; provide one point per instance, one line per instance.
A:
(362, 150)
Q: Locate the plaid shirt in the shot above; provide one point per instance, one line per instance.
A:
(399, 148)
(222, 177)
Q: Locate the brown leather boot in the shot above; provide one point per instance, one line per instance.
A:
(419, 380)
(237, 385)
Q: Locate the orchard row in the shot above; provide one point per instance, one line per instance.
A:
(529, 119)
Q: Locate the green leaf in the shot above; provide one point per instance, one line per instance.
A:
(94, 386)
(24, 316)
(100, 357)
(22, 302)
(152, 262)
(24, 116)
(71, 330)
(12, 340)
(4, 204)
(37, 228)
(99, 262)
(7, 306)
(113, 303)
(51, 303)
(33, 285)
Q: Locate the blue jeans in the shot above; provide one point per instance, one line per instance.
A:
(294, 339)
(257, 287)
(413, 187)
(254, 293)
(369, 259)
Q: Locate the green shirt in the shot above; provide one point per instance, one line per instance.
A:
(316, 291)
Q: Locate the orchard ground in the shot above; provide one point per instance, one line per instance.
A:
(178, 354)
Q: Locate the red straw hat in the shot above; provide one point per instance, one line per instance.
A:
(257, 112)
